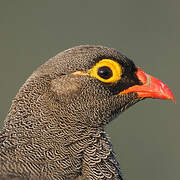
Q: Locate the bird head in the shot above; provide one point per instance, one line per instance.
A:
(93, 84)
(87, 86)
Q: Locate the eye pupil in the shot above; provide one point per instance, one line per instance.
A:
(105, 72)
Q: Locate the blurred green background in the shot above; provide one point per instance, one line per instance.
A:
(146, 136)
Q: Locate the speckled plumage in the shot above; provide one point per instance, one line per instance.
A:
(55, 126)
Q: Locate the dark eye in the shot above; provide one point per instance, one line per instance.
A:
(105, 72)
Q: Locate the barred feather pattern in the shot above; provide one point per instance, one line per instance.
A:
(99, 161)
(55, 127)
(37, 144)
(89, 158)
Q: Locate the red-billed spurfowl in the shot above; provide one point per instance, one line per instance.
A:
(55, 127)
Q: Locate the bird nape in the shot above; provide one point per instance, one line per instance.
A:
(55, 126)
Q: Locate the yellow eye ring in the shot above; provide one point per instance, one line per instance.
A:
(112, 71)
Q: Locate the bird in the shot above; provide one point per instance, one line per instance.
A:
(54, 129)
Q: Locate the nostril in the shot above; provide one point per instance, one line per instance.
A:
(142, 76)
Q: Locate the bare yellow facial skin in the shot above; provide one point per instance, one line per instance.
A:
(114, 66)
